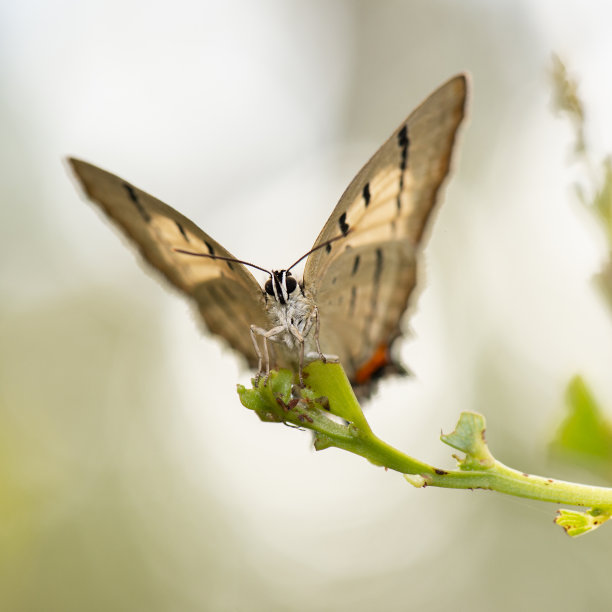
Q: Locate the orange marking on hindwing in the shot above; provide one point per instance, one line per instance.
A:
(378, 361)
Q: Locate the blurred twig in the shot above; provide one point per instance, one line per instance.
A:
(596, 191)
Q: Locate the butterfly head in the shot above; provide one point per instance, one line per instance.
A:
(280, 285)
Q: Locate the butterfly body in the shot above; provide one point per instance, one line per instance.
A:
(359, 277)
(294, 318)
(296, 313)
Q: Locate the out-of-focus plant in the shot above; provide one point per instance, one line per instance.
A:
(595, 191)
(585, 435)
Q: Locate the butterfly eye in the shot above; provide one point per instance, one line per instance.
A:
(291, 284)
(268, 287)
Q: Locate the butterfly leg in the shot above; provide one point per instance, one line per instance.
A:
(316, 335)
(298, 336)
(265, 356)
(257, 352)
(319, 353)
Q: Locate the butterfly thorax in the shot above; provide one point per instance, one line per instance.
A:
(290, 307)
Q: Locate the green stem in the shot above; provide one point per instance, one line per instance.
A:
(331, 381)
(498, 477)
(277, 401)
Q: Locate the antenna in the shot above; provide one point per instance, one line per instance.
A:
(248, 263)
(319, 246)
(232, 259)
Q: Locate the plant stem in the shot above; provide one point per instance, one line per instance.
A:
(499, 477)
(330, 380)
(329, 408)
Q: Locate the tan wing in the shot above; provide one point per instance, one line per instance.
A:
(362, 281)
(228, 296)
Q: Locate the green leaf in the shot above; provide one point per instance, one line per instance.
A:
(268, 397)
(469, 437)
(330, 380)
(277, 398)
(577, 523)
(585, 435)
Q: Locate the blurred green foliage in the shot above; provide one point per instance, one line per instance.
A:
(585, 435)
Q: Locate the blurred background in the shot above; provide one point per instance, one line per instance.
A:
(131, 478)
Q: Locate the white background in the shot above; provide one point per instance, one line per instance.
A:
(131, 477)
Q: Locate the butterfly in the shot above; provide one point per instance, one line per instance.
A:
(358, 277)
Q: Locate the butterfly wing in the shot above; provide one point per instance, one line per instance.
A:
(228, 296)
(363, 280)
